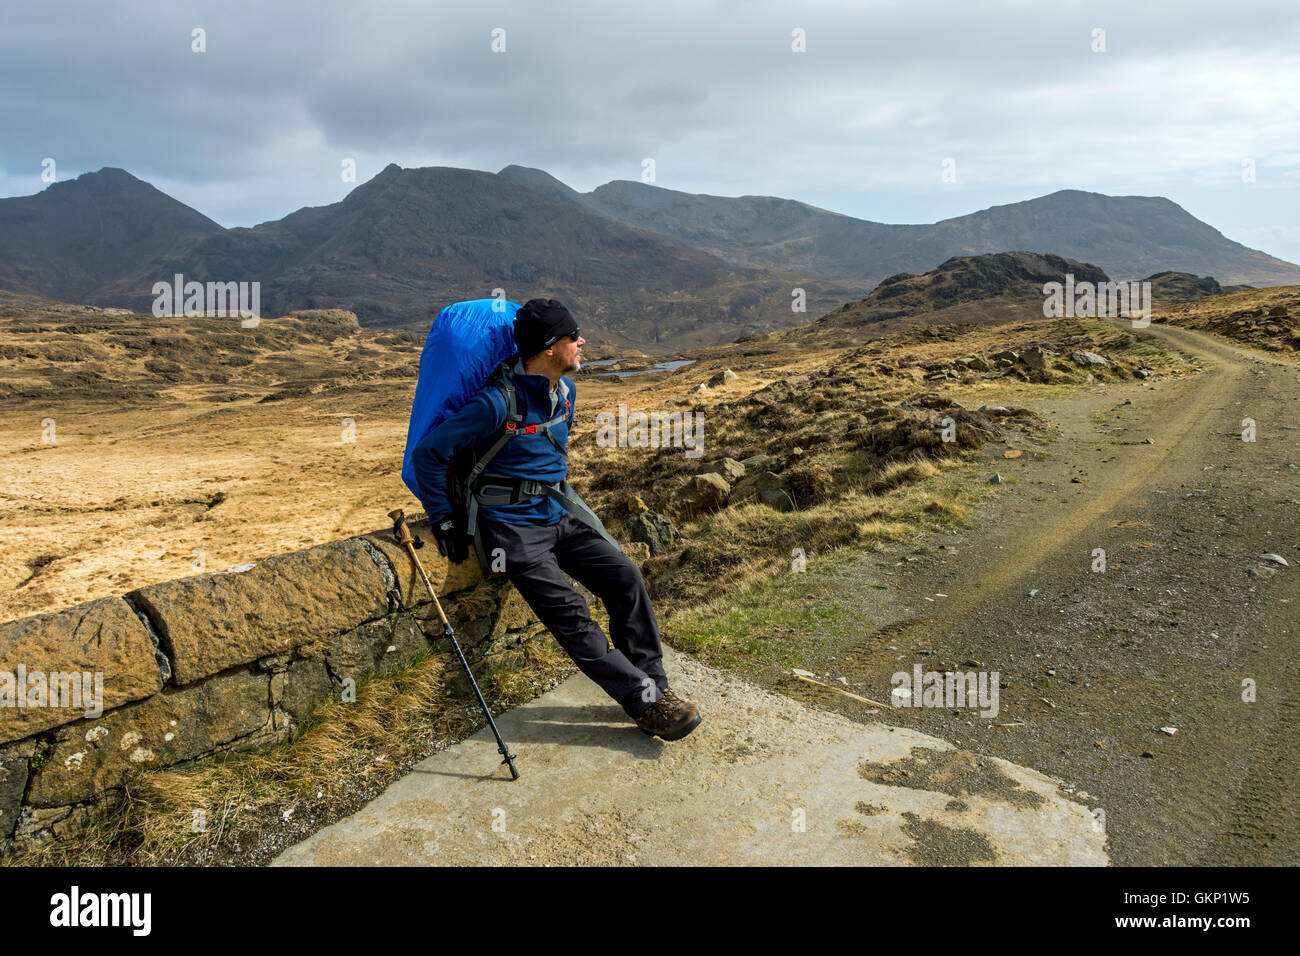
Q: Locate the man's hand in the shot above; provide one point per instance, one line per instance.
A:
(451, 545)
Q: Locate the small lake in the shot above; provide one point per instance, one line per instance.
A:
(658, 367)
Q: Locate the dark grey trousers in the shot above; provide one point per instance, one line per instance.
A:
(537, 557)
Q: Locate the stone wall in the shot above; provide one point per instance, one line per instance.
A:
(217, 662)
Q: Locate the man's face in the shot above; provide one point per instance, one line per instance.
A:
(568, 353)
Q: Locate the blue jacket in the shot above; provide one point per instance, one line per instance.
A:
(527, 456)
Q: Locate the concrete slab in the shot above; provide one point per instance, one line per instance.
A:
(763, 780)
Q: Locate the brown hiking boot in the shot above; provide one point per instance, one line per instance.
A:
(670, 717)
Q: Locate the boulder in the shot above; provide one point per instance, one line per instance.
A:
(1035, 359)
(702, 494)
(1088, 358)
(722, 378)
(56, 651)
(765, 486)
(977, 364)
(655, 531)
(730, 469)
(211, 622)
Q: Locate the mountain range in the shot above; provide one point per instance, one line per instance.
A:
(640, 265)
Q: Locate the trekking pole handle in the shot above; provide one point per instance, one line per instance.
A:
(400, 527)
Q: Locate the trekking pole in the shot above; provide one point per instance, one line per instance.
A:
(407, 540)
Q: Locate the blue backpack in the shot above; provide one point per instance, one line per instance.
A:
(468, 342)
(467, 349)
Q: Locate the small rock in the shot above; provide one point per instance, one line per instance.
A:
(1142, 373)
(1033, 592)
(1169, 731)
(997, 479)
(1275, 558)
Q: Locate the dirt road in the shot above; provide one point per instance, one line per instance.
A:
(1183, 623)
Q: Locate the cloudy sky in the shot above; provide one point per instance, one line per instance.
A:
(1186, 100)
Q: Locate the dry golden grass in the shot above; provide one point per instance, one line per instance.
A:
(900, 473)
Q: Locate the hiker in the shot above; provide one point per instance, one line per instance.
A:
(538, 537)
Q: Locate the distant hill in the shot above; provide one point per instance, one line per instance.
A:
(1127, 236)
(641, 266)
(74, 237)
(409, 241)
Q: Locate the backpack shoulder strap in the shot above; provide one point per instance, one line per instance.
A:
(503, 379)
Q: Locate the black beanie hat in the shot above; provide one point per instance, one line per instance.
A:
(539, 324)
